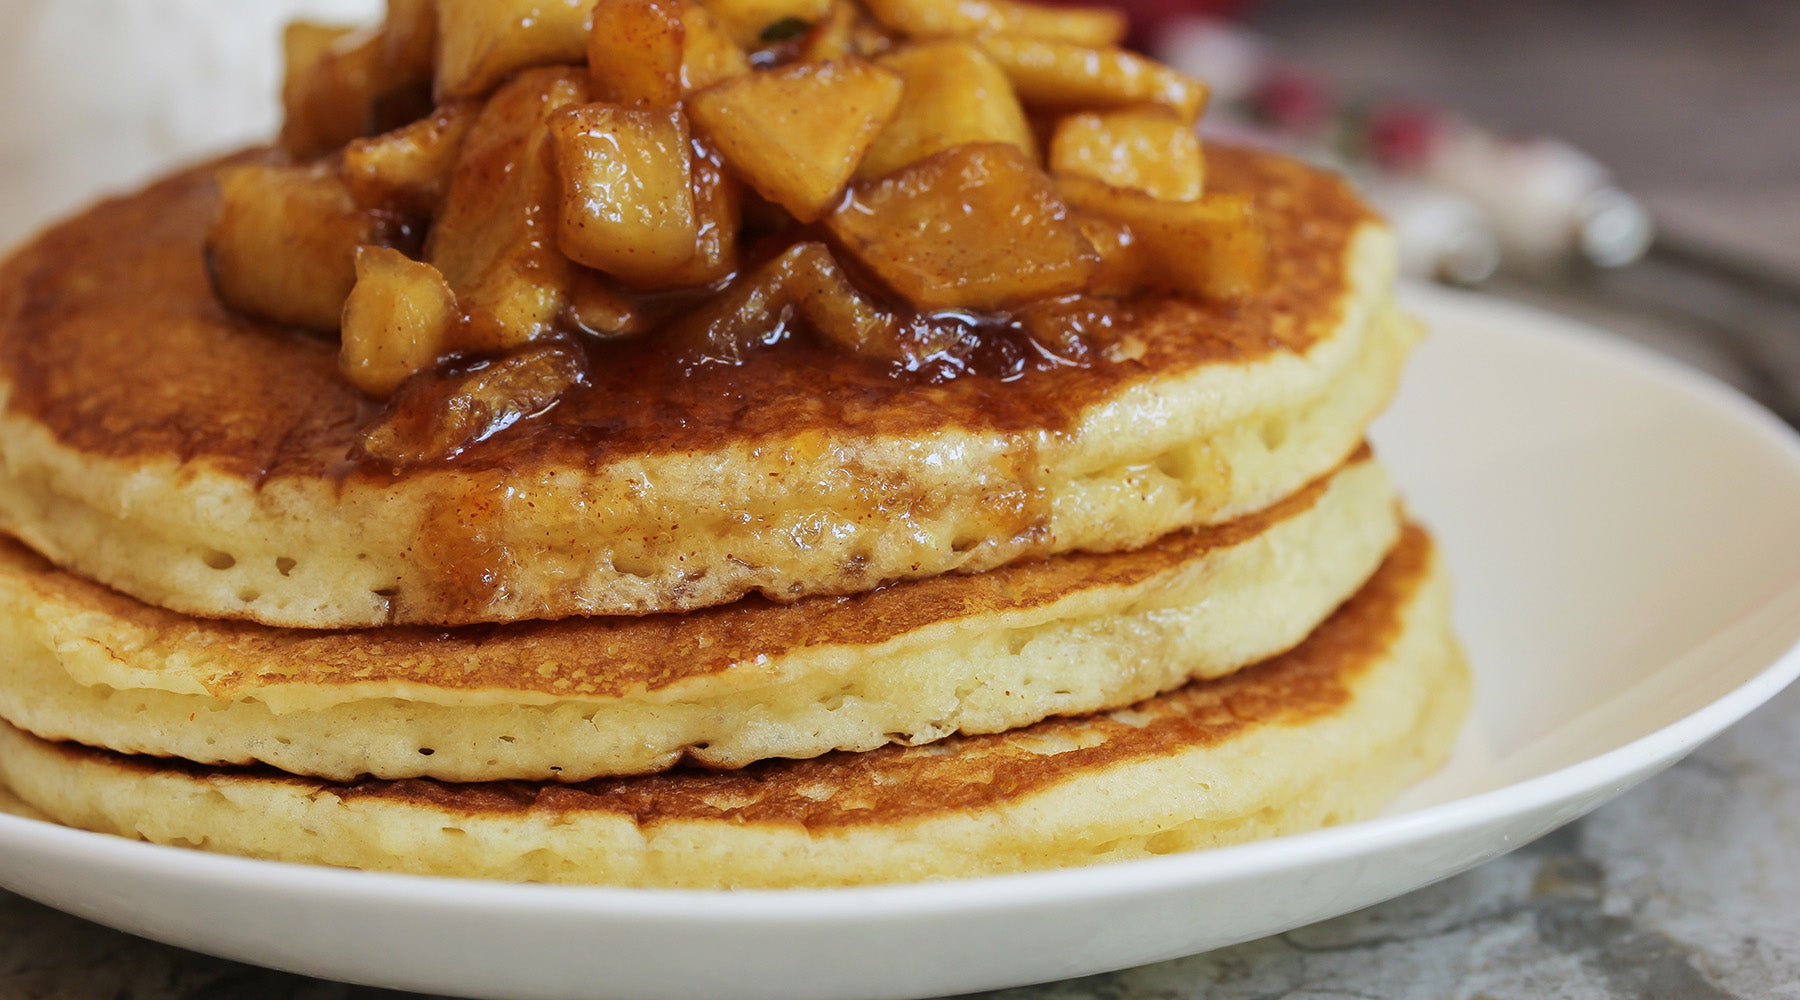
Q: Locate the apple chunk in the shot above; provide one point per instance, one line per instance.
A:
(627, 194)
(796, 134)
(284, 243)
(329, 90)
(708, 54)
(495, 240)
(635, 50)
(954, 94)
(938, 18)
(834, 36)
(804, 284)
(746, 20)
(1215, 248)
(409, 168)
(1061, 76)
(482, 42)
(397, 321)
(1145, 149)
(430, 420)
(409, 41)
(718, 211)
(659, 51)
(341, 84)
(977, 226)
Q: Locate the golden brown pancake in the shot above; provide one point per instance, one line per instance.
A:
(205, 463)
(727, 686)
(1322, 734)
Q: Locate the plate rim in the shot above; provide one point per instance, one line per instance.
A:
(1093, 884)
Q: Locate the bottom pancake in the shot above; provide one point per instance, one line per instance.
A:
(1325, 733)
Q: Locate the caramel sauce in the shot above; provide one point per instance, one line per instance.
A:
(112, 338)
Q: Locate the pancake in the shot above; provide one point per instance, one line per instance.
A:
(11, 806)
(203, 462)
(724, 687)
(1324, 734)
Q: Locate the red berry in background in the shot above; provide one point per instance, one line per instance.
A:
(1400, 136)
(1292, 100)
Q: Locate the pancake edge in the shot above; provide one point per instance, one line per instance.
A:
(1400, 720)
(236, 695)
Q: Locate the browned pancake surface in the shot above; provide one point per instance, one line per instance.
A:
(258, 401)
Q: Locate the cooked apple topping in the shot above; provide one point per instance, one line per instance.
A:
(476, 188)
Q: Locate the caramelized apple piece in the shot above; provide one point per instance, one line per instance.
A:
(837, 312)
(954, 94)
(409, 42)
(397, 321)
(746, 20)
(1214, 248)
(409, 168)
(718, 214)
(804, 284)
(1120, 272)
(304, 46)
(977, 226)
(1056, 75)
(1217, 249)
(343, 84)
(797, 133)
(495, 240)
(968, 18)
(482, 42)
(659, 51)
(755, 310)
(1144, 149)
(434, 419)
(599, 308)
(329, 91)
(708, 55)
(635, 51)
(284, 243)
(627, 200)
(834, 37)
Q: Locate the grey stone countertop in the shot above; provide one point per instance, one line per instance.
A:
(1686, 887)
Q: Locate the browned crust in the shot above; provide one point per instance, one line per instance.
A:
(896, 784)
(112, 340)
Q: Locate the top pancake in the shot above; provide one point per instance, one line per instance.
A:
(202, 461)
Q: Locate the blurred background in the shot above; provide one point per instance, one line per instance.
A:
(1631, 162)
(1691, 107)
(1694, 105)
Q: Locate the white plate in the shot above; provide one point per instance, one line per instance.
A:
(1626, 538)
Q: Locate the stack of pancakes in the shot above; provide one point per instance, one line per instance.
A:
(797, 622)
